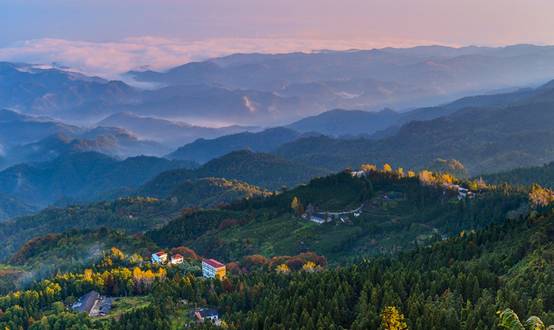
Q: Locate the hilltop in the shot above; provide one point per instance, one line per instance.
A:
(131, 214)
(72, 250)
(397, 213)
(260, 169)
(543, 175)
(203, 150)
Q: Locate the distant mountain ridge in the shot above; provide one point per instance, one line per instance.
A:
(25, 138)
(80, 177)
(171, 133)
(542, 175)
(11, 207)
(259, 169)
(497, 136)
(274, 89)
(203, 150)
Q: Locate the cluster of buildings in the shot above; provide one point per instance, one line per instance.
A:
(463, 193)
(211, 268)
(162, 258)
(324, 217)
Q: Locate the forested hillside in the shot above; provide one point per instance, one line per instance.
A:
(485, 140)
(131, 214)
(260, 169)
(12, 207)
(396, 213)
(543, 175)
(459, 283)
(80, 177)
(203, 150)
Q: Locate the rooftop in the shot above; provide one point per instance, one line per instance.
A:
(206, 312)
(214, 263)
(86, 302)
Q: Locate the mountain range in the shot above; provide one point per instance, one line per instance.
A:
(203, 150)
(269, 90)
(260, 169)
(25, 138)
(170, 133)
(80, 177)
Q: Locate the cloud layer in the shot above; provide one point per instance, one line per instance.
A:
(111, 59)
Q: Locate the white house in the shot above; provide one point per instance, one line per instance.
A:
(176, 259)
(159, 257)
(209, 314)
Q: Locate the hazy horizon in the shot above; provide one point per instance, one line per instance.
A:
(107, 38)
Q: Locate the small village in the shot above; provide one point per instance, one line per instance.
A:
(321, 217)
(96, 305)
(317, 216)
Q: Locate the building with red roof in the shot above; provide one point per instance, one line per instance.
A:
(212, 268)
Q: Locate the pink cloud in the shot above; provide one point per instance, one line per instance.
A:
(110, 59)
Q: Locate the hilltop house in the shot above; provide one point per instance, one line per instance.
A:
(212, 268)
(159, 257)
(176, 259)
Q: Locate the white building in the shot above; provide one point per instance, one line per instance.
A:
(159, 257)
(176, 259)
(213, 269)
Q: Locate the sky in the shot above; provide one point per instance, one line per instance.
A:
(106, 37)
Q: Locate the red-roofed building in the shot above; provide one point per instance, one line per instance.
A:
(159, 257)
(176, 259)
(212, 268)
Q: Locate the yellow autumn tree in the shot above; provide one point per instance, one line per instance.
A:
(296, 206)
(411, 174)
(392, 319)
(137, 275)
(387, 168)
(368, 167)
(540, 197)
(309, 266)
(446, 178)
(400, 171)
(117, 253)
(87, 276)
(426, 177)
(283, 269)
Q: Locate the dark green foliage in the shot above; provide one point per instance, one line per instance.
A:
(399, 213)
(486, 139)
(460, 283)
(543, 175)
(209, 192)
(260, 169)
(11, 207)
(80, 177)
(131, 214)
(74, 250)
